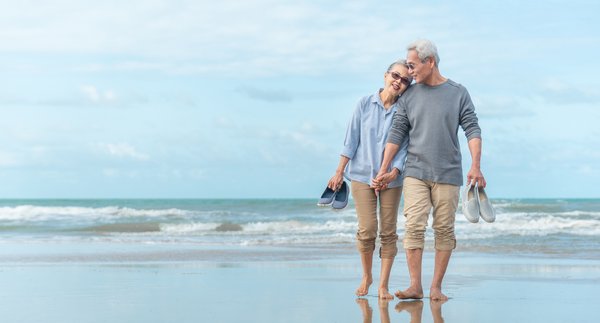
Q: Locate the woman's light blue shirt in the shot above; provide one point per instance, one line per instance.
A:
(365, 141)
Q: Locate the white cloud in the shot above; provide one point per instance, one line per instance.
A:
(501, 106)
(110, 172)
(272, 157)
(315, 55)
(110, 95)
(8, 159)
(245, 39)
(302, 139)
(273, 143)
(588, 170)
(121, 173)
(123, 150)
(91, 92)
(555, 85)
(207, 36)
(567, 91)
(96, 96)
(273, 96)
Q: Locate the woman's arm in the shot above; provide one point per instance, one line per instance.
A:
(336, 180)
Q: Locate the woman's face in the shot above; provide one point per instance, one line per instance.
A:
(397, 79)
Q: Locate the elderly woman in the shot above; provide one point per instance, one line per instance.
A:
(360, 159)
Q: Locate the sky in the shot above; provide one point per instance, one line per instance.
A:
(250, 99)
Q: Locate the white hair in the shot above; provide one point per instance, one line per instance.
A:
(425, 48)
(398, 62)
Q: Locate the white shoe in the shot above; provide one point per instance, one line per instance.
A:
(485, 206)
(470, 204)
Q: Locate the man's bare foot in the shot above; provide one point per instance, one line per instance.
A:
(363, 288)
(435, 294)
(410, 293)
(385, 294)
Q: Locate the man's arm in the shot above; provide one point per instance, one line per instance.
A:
(379, 182)
(389, 153)
(475, 175)
(470, 124)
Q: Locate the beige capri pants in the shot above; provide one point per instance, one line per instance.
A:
(365, 201)
(419, 197)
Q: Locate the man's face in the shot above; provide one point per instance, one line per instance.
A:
(418, 70)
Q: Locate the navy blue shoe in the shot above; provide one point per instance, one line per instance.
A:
(341, 197)
(327, 197)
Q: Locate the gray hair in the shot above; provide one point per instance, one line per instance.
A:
(398, 62)
(425, 48)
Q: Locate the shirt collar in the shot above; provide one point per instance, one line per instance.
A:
(377, 99)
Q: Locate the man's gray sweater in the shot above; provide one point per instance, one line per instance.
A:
(430, 116)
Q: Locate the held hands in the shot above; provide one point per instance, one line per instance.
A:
(476, 176)
(383, 179)
(336, 181)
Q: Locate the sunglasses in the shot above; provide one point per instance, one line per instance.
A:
(397, 76)
(411, 66)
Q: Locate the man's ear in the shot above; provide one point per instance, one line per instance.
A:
(430, 62)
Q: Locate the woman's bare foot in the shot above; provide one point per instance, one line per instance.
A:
(385, 294)
(363, 288)
(435, 294)
(410, 293)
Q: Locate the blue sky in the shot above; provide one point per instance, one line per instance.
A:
(245, 99)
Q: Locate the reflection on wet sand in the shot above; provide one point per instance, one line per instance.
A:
(367, 311)
(413, 307)
(436, 311)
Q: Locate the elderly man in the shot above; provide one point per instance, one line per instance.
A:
(429, 113)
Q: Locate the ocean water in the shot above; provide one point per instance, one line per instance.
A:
(544, 227)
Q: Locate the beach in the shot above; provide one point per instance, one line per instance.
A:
(268, 287)
(51, 272)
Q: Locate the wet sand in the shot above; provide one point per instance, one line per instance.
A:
(294, 286)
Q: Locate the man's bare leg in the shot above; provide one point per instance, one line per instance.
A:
(442, 258)
(366, 259)
(414, 257)
(386, 268)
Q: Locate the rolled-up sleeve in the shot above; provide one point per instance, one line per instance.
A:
(400, 158)
(352, 134)
(468, 119)
(400, 125)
